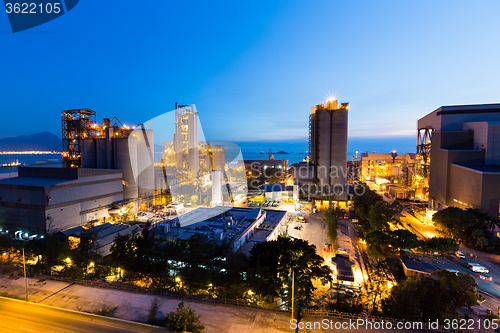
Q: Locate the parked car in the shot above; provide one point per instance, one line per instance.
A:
(460, 255)
(300, 219)
(341, 251)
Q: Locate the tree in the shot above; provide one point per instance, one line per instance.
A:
(184, 319)
(441, 244)
(195, 200)
(403, 239)
(430, 299)
(331, 218)
(471, 227)
(272, 264)
(376, 290)
(50, 250)
(378, 245)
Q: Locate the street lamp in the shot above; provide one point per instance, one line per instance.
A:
(25, 282)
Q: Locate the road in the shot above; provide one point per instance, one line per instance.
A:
(411, 223)
(315, 232)
(19, 316)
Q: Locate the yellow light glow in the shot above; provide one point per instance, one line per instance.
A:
(68, 260)
(250, 292)
(177, 279)
(91, 264)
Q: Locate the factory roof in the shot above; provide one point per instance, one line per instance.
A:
(232, 224)
(254, 213)
(33, 181)
(418, 266)
(482, 168)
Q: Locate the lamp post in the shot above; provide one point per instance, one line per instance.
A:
(293, 289)
(25, 281)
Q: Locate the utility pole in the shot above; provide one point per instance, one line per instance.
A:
(293, 289)
(25, 282)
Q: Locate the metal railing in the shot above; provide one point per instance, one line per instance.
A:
(394, 322)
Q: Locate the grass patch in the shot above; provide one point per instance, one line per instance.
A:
(105, 311)
(4, 294)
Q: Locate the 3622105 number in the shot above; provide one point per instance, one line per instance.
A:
(32, 8)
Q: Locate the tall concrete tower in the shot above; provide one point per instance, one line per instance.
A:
(186, 139)
(328, 147)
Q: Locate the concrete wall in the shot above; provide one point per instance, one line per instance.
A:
(441, 159)
(493, 147)
(64, 217)
(490, 195)
(430, 120)
(22, 218)
(465, 187)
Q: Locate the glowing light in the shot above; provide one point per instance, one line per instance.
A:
(68, 260)
(91, 264)
(177, 279)
(250, 292)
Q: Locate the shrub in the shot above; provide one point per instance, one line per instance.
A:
(184, 319)
(107, 312)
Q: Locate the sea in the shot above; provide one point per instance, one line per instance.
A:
(296, 150)
(54, 160)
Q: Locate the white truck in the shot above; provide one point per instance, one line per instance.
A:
(475, 267)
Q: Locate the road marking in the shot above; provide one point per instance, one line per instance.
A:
(26, 329)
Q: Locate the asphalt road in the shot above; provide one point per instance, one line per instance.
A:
(489, 287)
(19, 316)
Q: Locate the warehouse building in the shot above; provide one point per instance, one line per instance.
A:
(52, 199)
(464, 157)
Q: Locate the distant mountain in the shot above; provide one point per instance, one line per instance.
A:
(40, 141)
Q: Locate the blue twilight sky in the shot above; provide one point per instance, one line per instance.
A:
(253, 68)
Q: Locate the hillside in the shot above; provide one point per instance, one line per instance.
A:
(38, 141)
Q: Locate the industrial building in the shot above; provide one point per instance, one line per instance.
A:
(186, 140)
(242, 227)
(105, 236)
(280, 192)
(464, 156)
(111, 145)
(326, 174)
(392, 167)
(51, 199)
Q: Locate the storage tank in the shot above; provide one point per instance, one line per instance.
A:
(145, 160)
(125, 159)
(88, 153)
